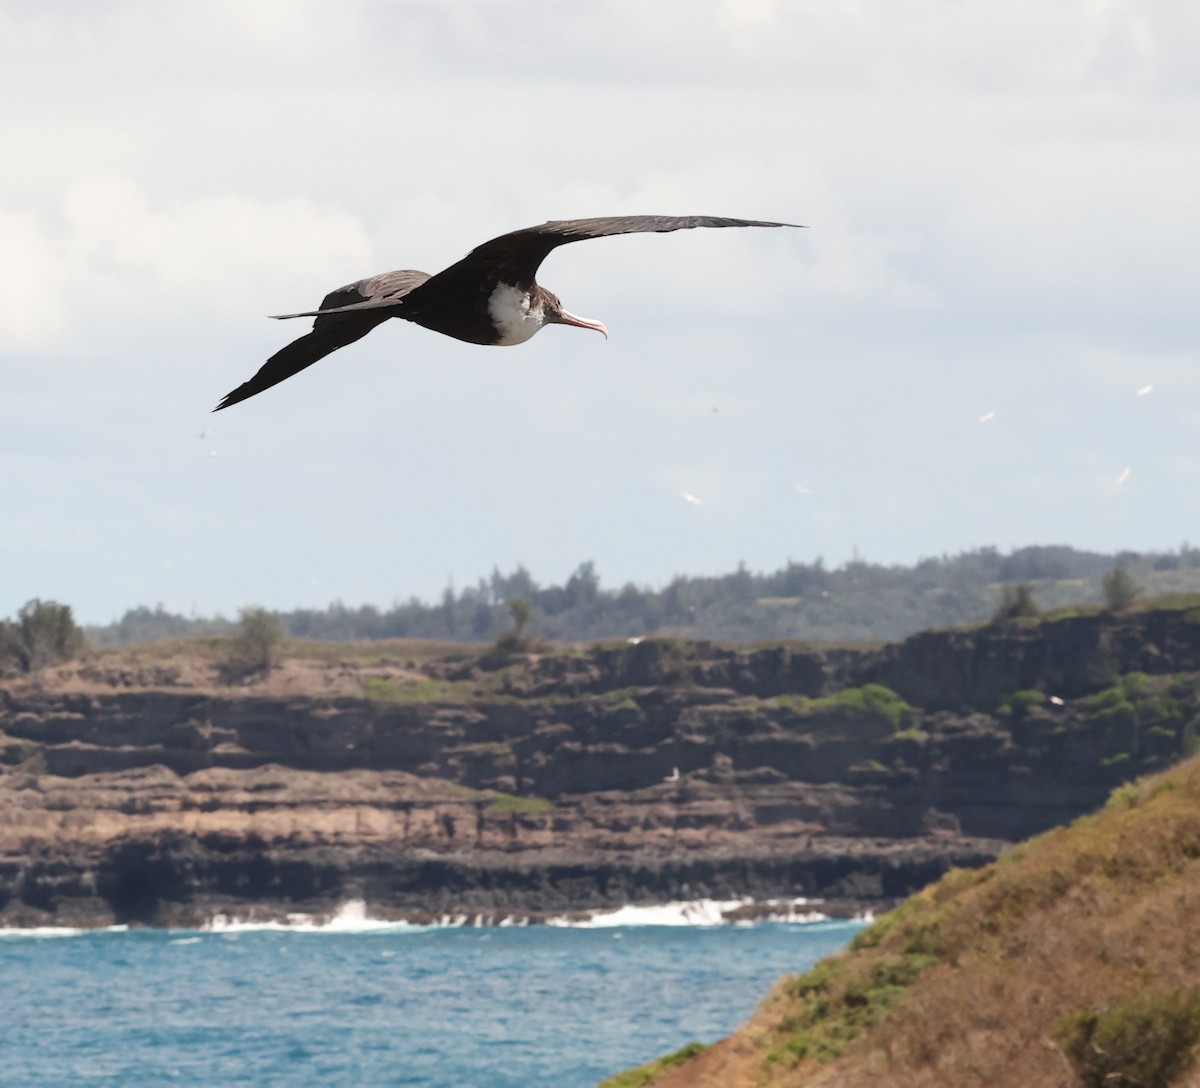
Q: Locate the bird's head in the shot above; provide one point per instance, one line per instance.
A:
(553, 313)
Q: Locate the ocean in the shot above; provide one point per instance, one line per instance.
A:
(357, 1003)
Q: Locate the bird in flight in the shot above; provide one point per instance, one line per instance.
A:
(489, 297)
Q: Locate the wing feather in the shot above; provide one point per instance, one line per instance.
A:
(333, 328)
(514, 258)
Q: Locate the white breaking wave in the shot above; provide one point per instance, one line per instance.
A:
(696, 912)
(58, 931)
(350, 917)
(799, 911)
(701, 912)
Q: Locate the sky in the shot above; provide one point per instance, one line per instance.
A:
(987, 334)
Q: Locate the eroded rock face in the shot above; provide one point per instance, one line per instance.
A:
(151, 847)
(644, 772)
(1071, 657)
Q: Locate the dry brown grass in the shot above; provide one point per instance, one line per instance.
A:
(971, 982)
(386, 650)
(401, 669)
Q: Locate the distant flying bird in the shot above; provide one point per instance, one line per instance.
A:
(1144, 390)
(489, 297)
(687, 496)
(1124, 477)
(987, 417)
(673, 776)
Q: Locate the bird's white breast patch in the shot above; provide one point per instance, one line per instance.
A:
(515, 320)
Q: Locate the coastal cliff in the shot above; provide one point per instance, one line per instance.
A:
(138, 787)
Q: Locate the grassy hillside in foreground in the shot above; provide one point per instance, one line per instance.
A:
(1073, 960)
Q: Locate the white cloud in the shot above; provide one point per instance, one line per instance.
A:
(33, 284)
(1001, 215)
(212, 251)
(113, 258)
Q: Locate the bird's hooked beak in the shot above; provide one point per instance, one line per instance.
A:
(560, 316)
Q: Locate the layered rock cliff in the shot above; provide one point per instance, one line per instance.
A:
(137, 788)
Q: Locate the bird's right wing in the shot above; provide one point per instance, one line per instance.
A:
(334, 328)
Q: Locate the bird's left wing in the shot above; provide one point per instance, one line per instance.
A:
(514, 258)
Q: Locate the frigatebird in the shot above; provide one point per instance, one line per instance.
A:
(489, 297)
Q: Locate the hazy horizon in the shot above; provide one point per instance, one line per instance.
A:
(494, 587)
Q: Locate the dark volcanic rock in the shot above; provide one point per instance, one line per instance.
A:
(953, 670)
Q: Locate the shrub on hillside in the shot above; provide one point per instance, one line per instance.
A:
(44, 634)
(1120, 590)
(1018, 706)
(255, 648)
(1016, 602)
(1145, 1042)
(514, 641)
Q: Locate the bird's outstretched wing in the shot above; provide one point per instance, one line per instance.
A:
(336, 331)
(514, 258)
(332, 330)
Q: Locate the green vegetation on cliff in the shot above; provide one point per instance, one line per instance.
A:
(871, 699)
(646, 1074)
(520, 806)
(1071, 960)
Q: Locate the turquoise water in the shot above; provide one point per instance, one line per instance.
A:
(485, 1008)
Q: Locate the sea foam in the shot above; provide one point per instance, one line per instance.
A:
(350, 917)
(353, 917)
(698, 912)
(57, 931)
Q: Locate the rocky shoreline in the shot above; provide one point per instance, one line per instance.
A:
(136, 789)
(153, 847)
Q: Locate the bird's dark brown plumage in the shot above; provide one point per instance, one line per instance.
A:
(458, 300)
